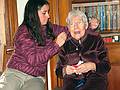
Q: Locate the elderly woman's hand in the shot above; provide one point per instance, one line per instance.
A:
(69, 70)
(85, 67)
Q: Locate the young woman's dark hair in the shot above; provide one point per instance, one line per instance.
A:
(31, 20)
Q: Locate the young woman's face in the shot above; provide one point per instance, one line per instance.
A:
(77, 28)
(43, 14)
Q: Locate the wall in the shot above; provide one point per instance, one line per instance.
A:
(20, 8)
(2, 31)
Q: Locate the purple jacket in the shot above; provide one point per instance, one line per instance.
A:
(91, 47)
(30, 58)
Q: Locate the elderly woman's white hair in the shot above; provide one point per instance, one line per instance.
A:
(79, 14)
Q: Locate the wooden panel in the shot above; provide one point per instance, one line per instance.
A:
(64, 6)
(54, 17)
(114, 77)
(114, 74)
(53, 75)
(114, 52)
(11, 21)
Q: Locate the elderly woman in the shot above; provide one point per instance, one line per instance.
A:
(83, 62)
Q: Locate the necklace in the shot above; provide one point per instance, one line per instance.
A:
(76, 44)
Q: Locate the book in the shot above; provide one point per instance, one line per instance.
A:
(114, 17)
(118, 17)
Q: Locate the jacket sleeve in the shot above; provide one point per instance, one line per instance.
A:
(103, 65)
(60, 64)
(57, 29)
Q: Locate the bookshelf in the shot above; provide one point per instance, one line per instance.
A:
(108, 12)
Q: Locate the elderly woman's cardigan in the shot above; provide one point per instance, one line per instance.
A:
(91, 48)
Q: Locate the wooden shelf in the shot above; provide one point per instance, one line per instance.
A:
(110, 34)
(94, 3)
(86, 1)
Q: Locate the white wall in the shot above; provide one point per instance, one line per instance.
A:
(20, 8)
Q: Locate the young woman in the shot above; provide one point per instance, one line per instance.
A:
(35, 42)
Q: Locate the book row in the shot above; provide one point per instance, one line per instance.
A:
(109, 15)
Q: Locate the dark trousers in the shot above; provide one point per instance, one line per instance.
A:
(92, 82)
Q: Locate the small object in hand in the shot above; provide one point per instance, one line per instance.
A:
(80, 62)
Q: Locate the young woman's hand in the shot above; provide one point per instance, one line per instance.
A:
(60, 40)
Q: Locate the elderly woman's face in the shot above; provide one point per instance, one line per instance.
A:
(77, 28)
